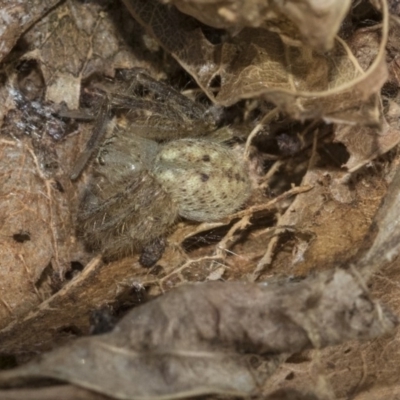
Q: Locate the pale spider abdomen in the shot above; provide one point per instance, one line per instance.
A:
(205, 179)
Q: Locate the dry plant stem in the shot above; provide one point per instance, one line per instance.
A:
(275, 167)
(184, 231)
(271, 204)
(350, 54)
(7, 306)
(221, 248)
(230, 237)
(217, 273)
(266, 260)
(178, 270)
(395, 19)
(345, 178)
(307, 129)
(313, 157)
(289, 67)
(244, 216)
(30, 277)
(265, 120)
(271, 172)
(244, 221)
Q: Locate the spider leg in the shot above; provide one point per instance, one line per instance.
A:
(121, 101)
(79, 115)
(168, 93)
(97, 135)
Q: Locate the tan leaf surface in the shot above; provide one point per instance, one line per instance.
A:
(36, 230)
(290, 18)
(17, 17)
(69, 45)
(365, 144)
(69, 309)
(358, 368)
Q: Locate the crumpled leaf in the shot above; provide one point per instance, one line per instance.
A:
(36, 231)
(317, 22)
(257, 62)
(210, 338)
(338, 216)
(17, 17)
(393, 57)
(75, 33)
(365, 144)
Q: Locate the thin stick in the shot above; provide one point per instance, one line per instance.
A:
(267, 258)
(266, 119)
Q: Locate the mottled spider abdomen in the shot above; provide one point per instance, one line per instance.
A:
(206, 179)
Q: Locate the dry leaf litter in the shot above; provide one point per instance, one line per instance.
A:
(291, 296)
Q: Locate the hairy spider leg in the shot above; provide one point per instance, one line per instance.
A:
(96, 137)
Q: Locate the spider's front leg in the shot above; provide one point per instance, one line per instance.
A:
(158, 111)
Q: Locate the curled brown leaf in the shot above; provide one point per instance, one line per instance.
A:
(213, 337)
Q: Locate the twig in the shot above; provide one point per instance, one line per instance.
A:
(266, 119)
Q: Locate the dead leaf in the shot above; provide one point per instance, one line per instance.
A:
(359, 370)
(76, 34)
(35, 233)
(210, 338)
(302, 18)
(273, 235)
(17, 17)
(365, 144)
(257, 62)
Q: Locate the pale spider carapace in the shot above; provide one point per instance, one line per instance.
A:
(169, 162)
